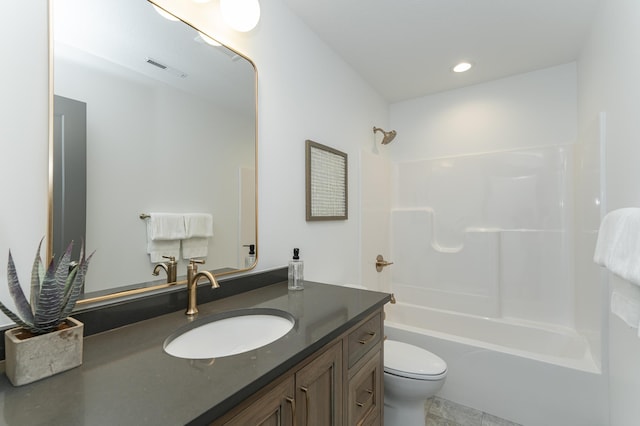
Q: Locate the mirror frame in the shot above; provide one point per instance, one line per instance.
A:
(49, 235)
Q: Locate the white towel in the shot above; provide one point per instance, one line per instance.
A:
(159, 248)
(164, 232)
(198, 225)
(195, 247)
(626, 308)
(166, 226)
(618, 246)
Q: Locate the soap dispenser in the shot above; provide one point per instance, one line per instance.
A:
(251, 257)
(296, 271)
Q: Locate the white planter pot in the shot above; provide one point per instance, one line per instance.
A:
(42, 356)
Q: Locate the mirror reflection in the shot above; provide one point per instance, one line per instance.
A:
(149, 118)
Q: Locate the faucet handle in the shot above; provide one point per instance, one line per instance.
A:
(193, 264)
(172, 259)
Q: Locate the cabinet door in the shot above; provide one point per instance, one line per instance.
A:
(364, 400)
(319, 390)
(275, 408)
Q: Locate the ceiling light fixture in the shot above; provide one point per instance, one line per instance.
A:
(208, 39)
(164, 13)
(241, 15)
(462, 67)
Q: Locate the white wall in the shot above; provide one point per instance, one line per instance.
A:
(609, 67)
(376, 218)
(532, 109)
(23, 136)
(305, 92)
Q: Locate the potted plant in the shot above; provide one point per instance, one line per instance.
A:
(47, 341)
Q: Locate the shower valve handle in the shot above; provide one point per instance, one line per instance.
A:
(381, 263)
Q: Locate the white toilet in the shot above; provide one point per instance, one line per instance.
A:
(411, 375)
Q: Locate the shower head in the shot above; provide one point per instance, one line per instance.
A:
(388, 136)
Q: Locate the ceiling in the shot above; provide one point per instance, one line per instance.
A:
(108, 34)
(406, 48)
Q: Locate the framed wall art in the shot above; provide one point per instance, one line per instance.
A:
(326, 182)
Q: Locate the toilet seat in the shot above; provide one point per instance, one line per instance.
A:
(405, 360)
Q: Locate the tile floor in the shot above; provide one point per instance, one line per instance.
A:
(442, 412)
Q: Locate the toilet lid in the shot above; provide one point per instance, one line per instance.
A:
(402, 359)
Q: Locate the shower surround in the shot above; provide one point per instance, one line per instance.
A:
(483, 250)
(487, 234)
(488, 203)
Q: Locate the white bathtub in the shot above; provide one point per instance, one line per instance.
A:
(520, 371)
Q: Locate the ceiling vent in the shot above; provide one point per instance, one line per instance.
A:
(173, 71)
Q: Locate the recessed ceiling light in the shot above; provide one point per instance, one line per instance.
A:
(462, 67)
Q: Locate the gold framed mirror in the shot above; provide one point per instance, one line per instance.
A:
(170, 126)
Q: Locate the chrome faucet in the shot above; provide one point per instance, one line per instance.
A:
(170, 268)
(193, 276)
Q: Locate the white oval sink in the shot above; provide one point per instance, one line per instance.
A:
(229, 333)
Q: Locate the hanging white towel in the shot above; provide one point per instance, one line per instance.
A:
(618, 246)
(164, 232)
(166, 226)
(195, 247)
(198, 225)
(159, 248)
(626, 308)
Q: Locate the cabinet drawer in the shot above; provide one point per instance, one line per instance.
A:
(365, 393)
(365, 337)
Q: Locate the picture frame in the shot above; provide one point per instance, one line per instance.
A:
(326, 183)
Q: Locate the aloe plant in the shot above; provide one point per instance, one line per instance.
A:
(54, 292)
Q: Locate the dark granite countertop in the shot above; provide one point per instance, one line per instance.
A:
(126, 378)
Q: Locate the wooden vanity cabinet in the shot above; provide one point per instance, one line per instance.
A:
(319, 388)
(364, 394)
(276, 407)
(364, 382)
(339, 385)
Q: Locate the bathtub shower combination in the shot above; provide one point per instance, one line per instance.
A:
(483, 251)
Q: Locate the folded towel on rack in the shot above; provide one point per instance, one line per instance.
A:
(166, 226)
(159, 248)
(164, 232)
(198, 225)
(618, 246)
(195, 247)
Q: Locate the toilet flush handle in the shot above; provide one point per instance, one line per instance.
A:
(381, 263)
